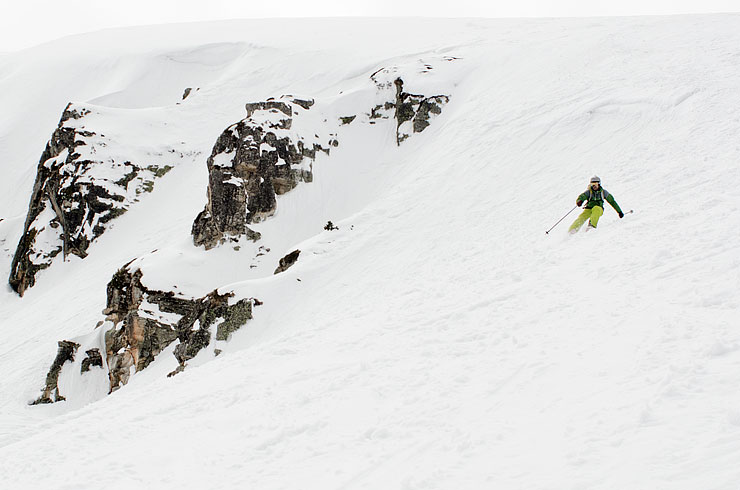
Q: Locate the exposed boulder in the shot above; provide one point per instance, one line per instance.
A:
(288, 261)
(188, 91)
(141, 322)
(253, 161)
(77, 192)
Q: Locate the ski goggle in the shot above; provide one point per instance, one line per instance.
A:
(595, 182)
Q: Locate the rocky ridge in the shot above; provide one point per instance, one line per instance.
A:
(139, 324)
(79, 189)
(264, 155)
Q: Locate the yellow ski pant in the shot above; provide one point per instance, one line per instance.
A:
(594, 214)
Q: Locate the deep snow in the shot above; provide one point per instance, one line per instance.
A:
(439, 339)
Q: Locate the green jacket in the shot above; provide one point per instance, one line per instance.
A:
(597, 199)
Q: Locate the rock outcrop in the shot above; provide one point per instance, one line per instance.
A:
(412, 112)
(266, 154)
(253, 161)
(76, 194)
(147, 321)
(141, 322)
(65, 353)
(288, 261)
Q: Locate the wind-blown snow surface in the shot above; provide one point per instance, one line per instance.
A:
(439, 339)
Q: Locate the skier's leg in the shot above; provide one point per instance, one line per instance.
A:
(579, 221)
(596, 213)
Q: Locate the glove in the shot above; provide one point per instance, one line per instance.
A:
(621, 215)
(578, 203)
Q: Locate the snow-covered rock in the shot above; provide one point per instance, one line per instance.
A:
(263, 155)
(85, 179)
(412, 112)
(270, 151)
(139, 324)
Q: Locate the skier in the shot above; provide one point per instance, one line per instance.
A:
(594, 197)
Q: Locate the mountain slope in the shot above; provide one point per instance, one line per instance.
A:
(438, 338)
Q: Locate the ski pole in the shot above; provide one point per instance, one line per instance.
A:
(561, 219)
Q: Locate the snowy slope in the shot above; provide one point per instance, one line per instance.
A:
(439, 339)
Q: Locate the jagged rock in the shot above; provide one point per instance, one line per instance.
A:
(93, 359)
(142, 322)
(65, 353)
(288, 261)
(75, 195)
(139, 332)
(252, 162)
(145, 323)
(306, 104)
(234, 317)
(412, 112)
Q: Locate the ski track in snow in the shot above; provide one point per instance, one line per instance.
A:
(439, 339)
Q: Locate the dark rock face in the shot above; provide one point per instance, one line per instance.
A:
(416, 109)
(93, 359)
(75, 196)
(288, 261)
(50, 393)
(147, 321)
(142, 322)
(412, 112)
(253, 161)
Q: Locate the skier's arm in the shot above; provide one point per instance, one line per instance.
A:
(580, 199)
(610, 200)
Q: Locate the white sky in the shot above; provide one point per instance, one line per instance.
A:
(24, 23)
